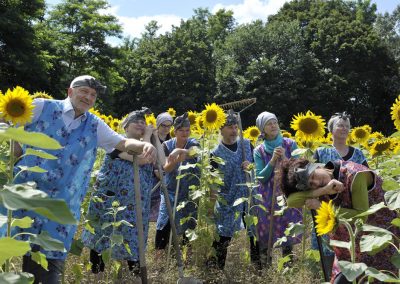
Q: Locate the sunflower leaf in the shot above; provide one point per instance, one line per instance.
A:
(39, 153)
(392, 199)
(339, 244)
(374, 242)
(352, 270)
(374, 208)
(35, 139)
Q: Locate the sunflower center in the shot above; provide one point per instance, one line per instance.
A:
(15, 108)
(254, 133)
(192, 119)
(308, 125)
(380, 147)
(211, 116)
(360, 133)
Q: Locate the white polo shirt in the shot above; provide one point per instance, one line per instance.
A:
(106, 137)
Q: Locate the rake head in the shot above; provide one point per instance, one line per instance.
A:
(244, 104)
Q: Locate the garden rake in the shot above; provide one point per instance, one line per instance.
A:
(161, 161)
(139, 221)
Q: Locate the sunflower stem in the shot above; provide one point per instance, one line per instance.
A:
(352, 235)
(9, 212)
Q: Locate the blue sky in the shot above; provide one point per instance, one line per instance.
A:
(135, 14)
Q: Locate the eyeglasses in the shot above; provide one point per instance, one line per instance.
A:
(165, 125)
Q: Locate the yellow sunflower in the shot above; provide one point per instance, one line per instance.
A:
(396, 113)
(286, 134)
(198, 127)
(115, 124)
(172, 132)
(377, 135)
(325, 218)
(361, 134)
(380, 147)
(213, 117)
(171, 112)
(309, 126)
(42, 95)
(192, 117)
(16, 106)
(150, 119)
(309, 144)
(252, 133)
(95, 112)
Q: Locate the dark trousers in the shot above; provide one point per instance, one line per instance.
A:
(98, 263)
(53, 276)
(162, 237)
(221, 250)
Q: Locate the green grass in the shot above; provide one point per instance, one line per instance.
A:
(237, 269)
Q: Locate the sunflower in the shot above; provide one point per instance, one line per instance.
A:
(172, 132)
(171, 112)
(361, 134)
(325, 218)
(326, 140)
(286, 134)
(252, 133)
(192, 117)
(309, 126)
(42, 95)
(396, 113)
(150, 119)
(380, 147)
(213, 117)
(310, 144)
(198, 127)
(95, 112)
(115, 124)
(16, 106)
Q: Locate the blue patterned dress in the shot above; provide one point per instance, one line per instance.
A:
(67, 177)
(185, 182)
(234, 175)
(265, 189)
(115, 182)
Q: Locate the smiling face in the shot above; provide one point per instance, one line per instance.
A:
(319, 178)
(82, 99)
(271, 129)
(341, 129)
(182, 134)
(135, 129)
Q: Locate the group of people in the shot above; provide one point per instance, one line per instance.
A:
(345, 179)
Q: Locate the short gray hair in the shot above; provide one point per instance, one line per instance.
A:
(335, 119)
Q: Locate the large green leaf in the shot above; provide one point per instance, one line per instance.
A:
(374, 273)
(371, 210)
(35, 139)
(339, 244)
(390, 184)
(16, 278)
(392, 199)
(395, 259)
(76, 247)
(10, 248)
(40, 259)
(352, 270)
(374, 242)
(39, 153)
(370, 228)
(239, 201)
(24, 223)
(45, 241)
(35, 169)
(24, 196)
(294, 229)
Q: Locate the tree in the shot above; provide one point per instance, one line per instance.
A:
(21, 64)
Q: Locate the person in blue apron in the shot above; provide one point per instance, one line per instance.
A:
(115, 182)
(177, 153)
(228, 218)
(80, 133)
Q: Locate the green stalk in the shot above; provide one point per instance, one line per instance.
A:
(352, 235)
(9, 212)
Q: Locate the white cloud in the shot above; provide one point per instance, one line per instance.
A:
(135, 26)
(251, 10)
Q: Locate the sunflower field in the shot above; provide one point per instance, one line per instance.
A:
(307, 129)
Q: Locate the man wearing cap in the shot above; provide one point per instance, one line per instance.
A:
(80, 133)
(229, 218)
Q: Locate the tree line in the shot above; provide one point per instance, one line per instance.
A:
(326, 56)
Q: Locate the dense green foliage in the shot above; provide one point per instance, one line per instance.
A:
(326, 56)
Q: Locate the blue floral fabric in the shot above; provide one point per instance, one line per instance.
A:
(115, 182)
(170, 178)
(326, 154)
(228, 218)
(67, 177)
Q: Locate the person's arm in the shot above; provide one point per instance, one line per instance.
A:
(263, 172)
(298, 199)
(177, 156)
(359, 195)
